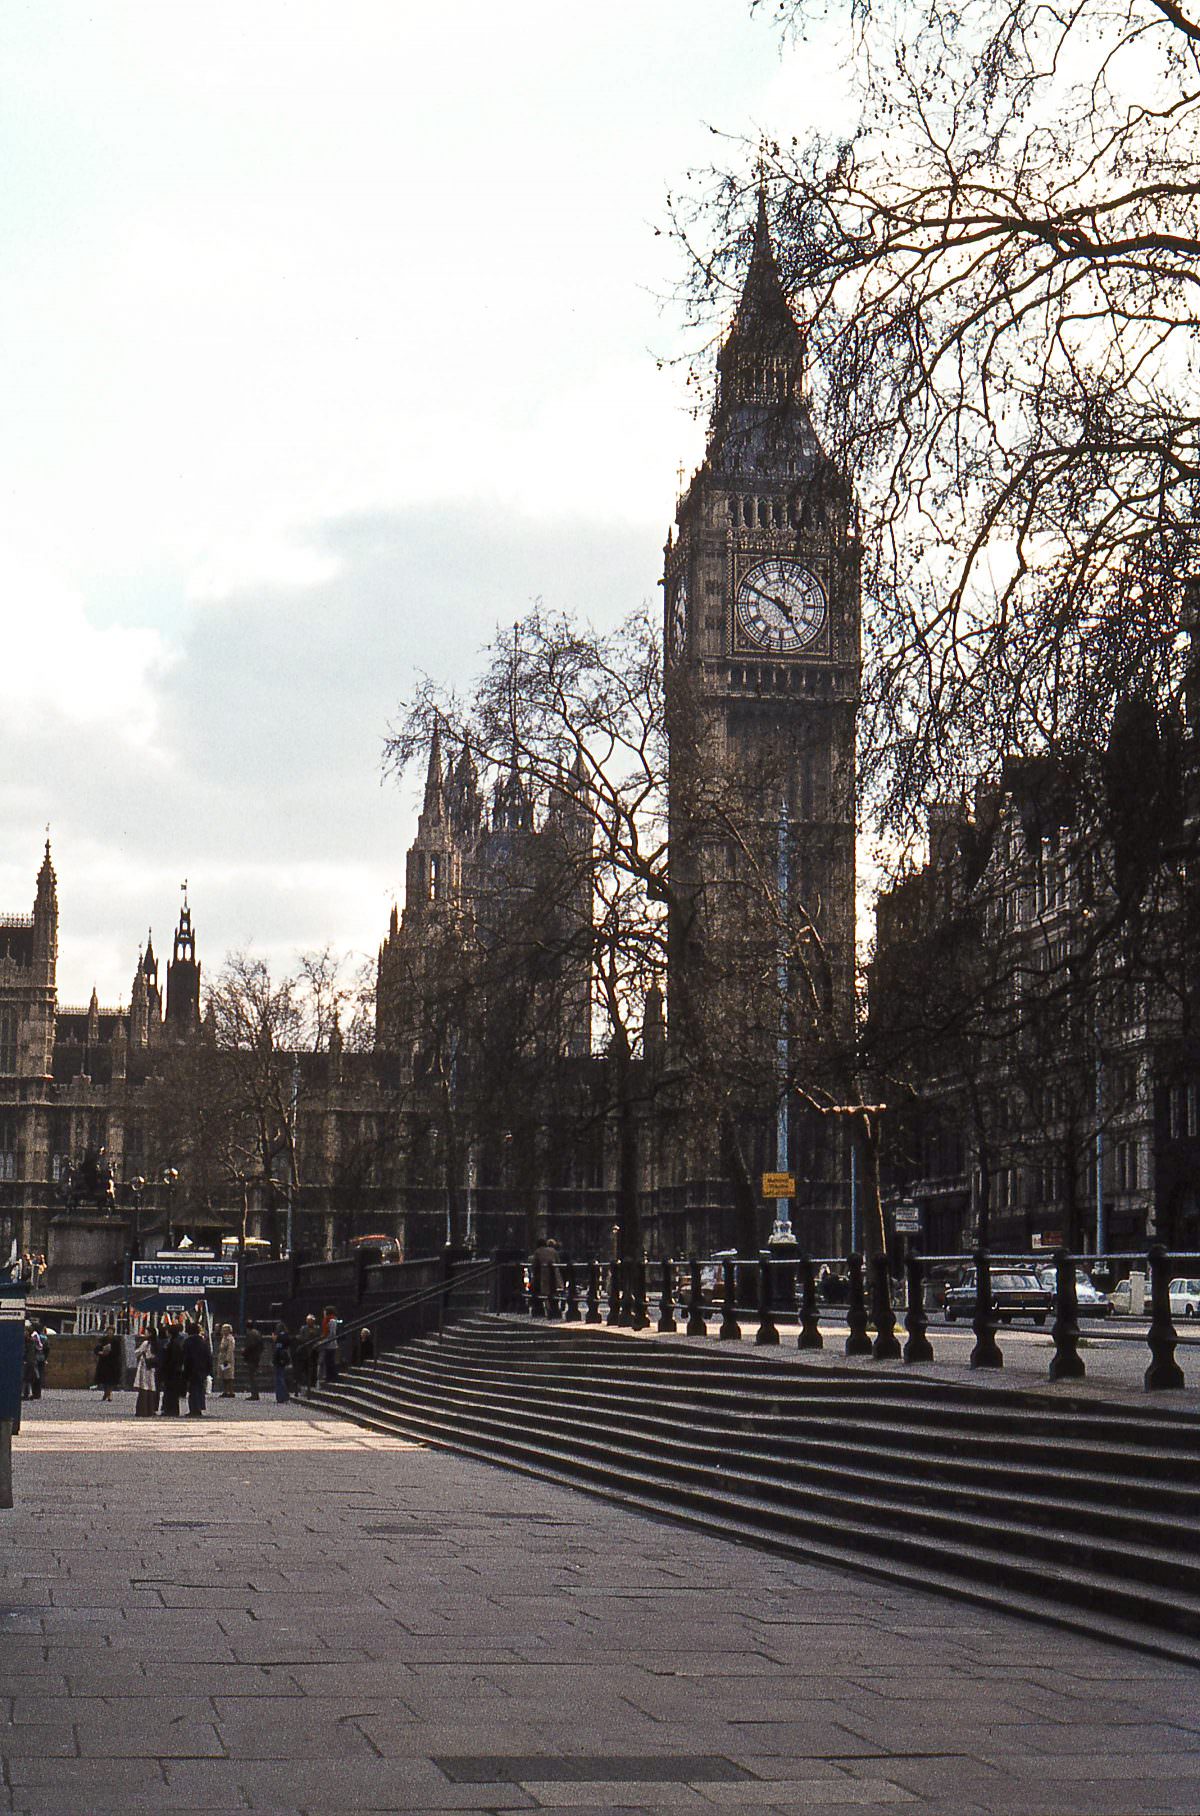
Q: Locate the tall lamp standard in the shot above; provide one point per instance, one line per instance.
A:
(170, 1179)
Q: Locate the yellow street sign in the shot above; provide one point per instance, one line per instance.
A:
(779, 1185)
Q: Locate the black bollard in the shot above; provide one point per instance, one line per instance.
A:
(1066, 1364)
(1164, 1371)
(593, 1294)
(697, 1324)
(614, 1292)
(886, 1347)
(810, 1328)
(918, 1348)
(628, 1287)
(639, 1311)
(857, 1342)
(666, 1304)
(571, 1314)
(730, 1328)
(986, 1353)
(768, 1331)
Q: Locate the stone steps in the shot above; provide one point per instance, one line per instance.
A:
(1077, 1513)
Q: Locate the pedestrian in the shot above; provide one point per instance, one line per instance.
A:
(109, 1369)
(281, 1357)
(329, 1343)
(252, 1349)
(144, 1378)
(544, 1279)
(306, 1352)
(43, 1356)
(198, 1366)
(31, 1362)
(226, 1362)
(172, 1370)
(366, 1344)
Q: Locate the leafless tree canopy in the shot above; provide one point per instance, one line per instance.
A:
(997, 273)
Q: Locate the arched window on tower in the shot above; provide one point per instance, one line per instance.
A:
(435, 877)
(8, 1040)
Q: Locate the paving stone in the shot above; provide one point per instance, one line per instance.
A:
(295, 1661)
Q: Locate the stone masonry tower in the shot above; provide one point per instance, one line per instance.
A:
(762, 649)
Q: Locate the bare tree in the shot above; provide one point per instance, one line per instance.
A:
(996, 273)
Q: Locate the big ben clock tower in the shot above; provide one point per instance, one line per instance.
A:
(761, 634)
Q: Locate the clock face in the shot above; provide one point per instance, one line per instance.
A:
(677, 621)
(780, 606)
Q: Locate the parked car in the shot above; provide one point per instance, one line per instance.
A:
(1013, 1296)
(1092, 1303)
(1185, 1298)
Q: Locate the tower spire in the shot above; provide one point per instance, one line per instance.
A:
(762, 358)
(433, 776)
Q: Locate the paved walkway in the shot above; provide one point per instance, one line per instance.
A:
(273, 1611)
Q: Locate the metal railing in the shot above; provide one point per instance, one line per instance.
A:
(624, 1293)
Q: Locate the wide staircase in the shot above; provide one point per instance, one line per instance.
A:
(1080, 1512)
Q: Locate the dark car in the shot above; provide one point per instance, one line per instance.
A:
(1013, 1296)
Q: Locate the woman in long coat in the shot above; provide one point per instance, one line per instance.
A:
(144, 1378)
(226, 1362)
(109, 1362)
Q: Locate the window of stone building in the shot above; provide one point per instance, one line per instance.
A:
(8, 1145)
(8, 1040)
(1193, 1109)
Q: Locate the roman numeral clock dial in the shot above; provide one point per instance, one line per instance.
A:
(780, 607)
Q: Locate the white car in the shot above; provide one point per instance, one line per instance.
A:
(1185, 1298)
(1092, 1304)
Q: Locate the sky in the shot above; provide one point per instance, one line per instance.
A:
(330, 339)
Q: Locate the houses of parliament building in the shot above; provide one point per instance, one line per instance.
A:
(761, 651)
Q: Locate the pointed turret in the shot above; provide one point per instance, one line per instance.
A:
(138, 1008)
(512, 809)
(762, 359)
(45, 924)
(654, 1030)
(434, 799)
(93, 1018)
(183, 976)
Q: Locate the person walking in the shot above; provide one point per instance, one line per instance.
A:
(281, 1357)
(544, 1279)
(108, 1363)
(330, 1326)
(252, 1349)
(198, 1366)
(307, 1354)
(31, 1363)
(144, 1378)
(226, 1362)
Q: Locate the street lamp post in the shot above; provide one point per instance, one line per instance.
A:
(170, 1179)
(782, 1230)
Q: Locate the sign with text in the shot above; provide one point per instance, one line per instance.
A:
(906, 1218)
(185, 1276)
(779, 1185)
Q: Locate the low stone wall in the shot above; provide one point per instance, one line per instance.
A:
(71, 1361)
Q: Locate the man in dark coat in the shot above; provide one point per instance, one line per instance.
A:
(252, 1349)
(198, 1365)
(172, 1374)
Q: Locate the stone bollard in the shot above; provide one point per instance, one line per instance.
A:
(571, 1312)
(768, 1331)
(697, 1324)
(593, 1294)
(1066, 1364)
(886, 1347)
(1164, 1371)
(614, 1292)
(857, 1342)
(918, 1347)
(666, 1304)
(730, 1329)
(810, 1329)
(986, 1353)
